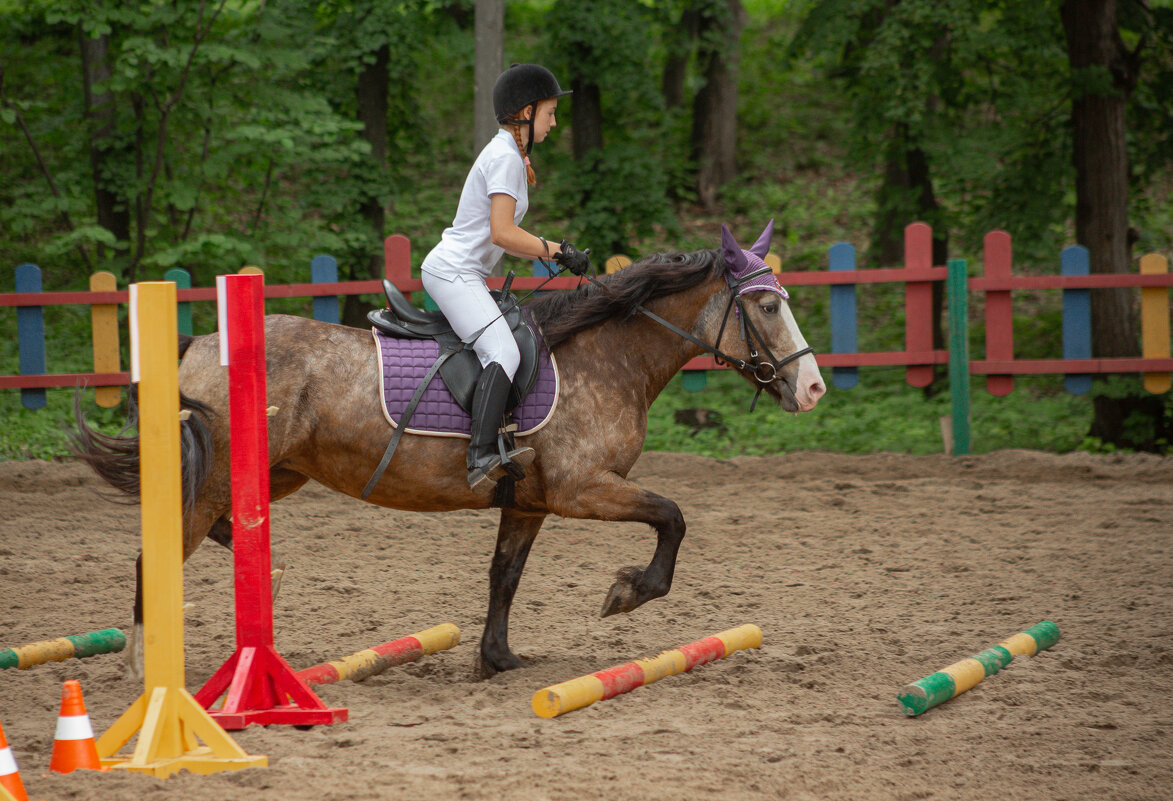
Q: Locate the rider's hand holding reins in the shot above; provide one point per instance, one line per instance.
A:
(573, 259)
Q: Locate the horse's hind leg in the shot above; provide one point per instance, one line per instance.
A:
(515, 535)
(614, 498)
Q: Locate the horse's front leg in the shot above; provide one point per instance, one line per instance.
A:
(614, 498)
(515, 535)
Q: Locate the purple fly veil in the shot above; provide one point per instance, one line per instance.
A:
(746, 262)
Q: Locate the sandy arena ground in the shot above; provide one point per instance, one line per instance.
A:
(864, 572)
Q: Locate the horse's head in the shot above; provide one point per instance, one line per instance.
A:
(754, 322)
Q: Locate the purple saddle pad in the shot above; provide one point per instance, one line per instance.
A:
(402, 365)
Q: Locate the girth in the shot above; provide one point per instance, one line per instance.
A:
(461, 369)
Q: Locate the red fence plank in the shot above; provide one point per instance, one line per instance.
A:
(64, 380)
(898, 358)
(999, 312)
(397, 259)
(918, 300)
(1094, 281)
(1029, 366)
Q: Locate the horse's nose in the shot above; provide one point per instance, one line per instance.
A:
(810, 387)
(816, 390)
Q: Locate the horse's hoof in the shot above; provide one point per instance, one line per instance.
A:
(488, 667)
(623, 597)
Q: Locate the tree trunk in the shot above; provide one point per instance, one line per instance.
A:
(714, 123)
(679, 45)
(488, 62)
(1095, 50)
(906, 195)
(586, 117)
(113, 212)
(928, 209)
(1100, 156)
(371, 92)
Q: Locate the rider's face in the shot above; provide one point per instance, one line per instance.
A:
(544, 118)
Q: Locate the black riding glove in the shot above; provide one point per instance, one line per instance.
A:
(573, 259)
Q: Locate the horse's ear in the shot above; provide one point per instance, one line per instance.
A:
(731, 251)
(762, 246)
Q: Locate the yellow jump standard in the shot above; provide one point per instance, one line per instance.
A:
(952, 681)
(168, 721)
(585, 690)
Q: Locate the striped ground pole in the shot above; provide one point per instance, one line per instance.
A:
(952, 681)
(577, 693)
(370, 661)
(76, 646)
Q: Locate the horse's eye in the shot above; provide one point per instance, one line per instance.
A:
(770, 308)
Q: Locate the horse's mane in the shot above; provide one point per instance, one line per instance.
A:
(561, 315)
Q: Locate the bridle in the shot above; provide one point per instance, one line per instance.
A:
(764, 371)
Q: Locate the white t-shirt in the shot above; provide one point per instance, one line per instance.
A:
(467, 246)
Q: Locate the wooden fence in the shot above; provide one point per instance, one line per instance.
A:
(842, 276)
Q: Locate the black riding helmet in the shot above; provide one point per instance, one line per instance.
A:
(519, 86)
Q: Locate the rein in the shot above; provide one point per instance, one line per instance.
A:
(749, 334)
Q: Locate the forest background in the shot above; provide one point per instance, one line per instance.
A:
(137, 137)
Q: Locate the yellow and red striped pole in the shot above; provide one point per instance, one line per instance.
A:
(586, 690)
(370, 661)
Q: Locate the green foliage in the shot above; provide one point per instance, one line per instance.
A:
(883, 413)
(978, 85)
(42, 433)
(234, 139)
(620, 192)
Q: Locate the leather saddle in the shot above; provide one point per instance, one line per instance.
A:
(462, 369)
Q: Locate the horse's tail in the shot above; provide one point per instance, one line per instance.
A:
(115, 457)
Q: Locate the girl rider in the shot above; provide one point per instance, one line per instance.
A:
(492, 204)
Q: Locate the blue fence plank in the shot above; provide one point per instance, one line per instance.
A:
(324, 270)
(182, 279)
(844, 324)
(30, 335)
(1077, 318)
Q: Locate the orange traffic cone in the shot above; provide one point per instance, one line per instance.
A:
(73, 746)
(9, 775)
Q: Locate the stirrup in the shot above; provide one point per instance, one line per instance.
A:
(486, 474)
(517, 460)
(496, 468)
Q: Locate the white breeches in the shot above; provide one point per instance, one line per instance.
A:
(468, 306)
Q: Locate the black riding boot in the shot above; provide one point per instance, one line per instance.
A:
(488, 413)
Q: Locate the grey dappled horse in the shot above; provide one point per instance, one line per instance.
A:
(614, 358)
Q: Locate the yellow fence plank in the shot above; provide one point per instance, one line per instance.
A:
(104, 321)
(615, 264)
(1154, 317)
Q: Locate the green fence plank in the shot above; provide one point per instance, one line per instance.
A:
(957, 288)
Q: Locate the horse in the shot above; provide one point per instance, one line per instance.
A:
(618, 340)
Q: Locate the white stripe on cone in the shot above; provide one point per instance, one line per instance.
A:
(74, 727)
(7, 762)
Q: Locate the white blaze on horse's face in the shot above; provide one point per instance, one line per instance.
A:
(799, 384)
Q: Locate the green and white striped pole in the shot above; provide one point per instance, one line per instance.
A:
(952, 681)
